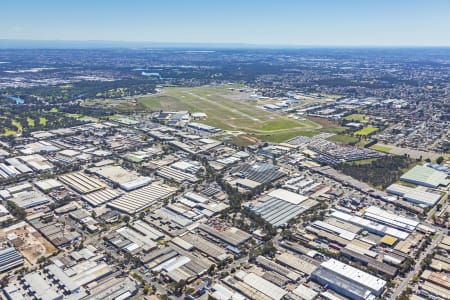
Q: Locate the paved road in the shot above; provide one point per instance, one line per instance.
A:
(428, 250)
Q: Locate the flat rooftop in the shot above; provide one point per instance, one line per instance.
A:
(426, 176)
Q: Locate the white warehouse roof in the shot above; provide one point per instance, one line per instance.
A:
(414, 195)
(345, 234)
(142, 198)
(354, 274)
(370, 225)
(264, 286)
(383, 216)
(288, 196)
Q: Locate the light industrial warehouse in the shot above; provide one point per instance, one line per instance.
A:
(10, 258)
(142, 198)
(370, 226)
(280, 206)
(102, 196)
(414, 195)
(125, 179)
(422, 175)
(381, 216)
(82, 183)
(348, 281)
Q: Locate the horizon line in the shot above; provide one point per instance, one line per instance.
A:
(53, 43)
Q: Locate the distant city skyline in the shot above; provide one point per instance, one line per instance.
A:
(279, 23)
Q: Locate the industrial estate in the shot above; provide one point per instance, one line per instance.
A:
(131, 181)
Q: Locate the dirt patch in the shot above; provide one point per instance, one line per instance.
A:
(30, 243)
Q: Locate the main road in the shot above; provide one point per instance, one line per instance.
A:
(417, 267)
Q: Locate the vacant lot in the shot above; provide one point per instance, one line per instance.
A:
(366, 131)
(343, 139)
(357, 118)
(381, 148)
(30, 243)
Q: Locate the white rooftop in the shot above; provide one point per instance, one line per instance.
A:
(370, 225)
(264, 286)
(390, 218)
(287, 196)
(354, 274)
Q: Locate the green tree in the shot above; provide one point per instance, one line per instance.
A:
(126, 218)
(16, 211)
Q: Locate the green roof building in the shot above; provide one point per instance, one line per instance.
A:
(425, 176)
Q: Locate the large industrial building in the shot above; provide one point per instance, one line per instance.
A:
(203, 127)
(425, 176)
(414, 195)
(10, 258)
(142, 198)
(176, 175)
(393, 220)
(254, 286)
(280, 206)
(125, 179)
(28, 199)
(102, 196)
(370, 226)
(348, 281)
(260, 173)
(82, 183)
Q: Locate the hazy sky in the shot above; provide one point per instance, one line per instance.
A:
(276, 22)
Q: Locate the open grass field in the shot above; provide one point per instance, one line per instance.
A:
(413, 153)
(343, 139)
(381, 148)
(242, 140)
(362, 162)
(366, 131)
(227, 111)
(227, 108)
(81, 117)
(357, 118)
(17, 124)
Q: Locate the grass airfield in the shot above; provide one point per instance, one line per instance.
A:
(233, 111)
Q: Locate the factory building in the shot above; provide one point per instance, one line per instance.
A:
(425, 176)
(82, 183)
(381, 216)
(203, 127)
(280, 206)
(370, 226)
(142, 198)
(10, 258)
(414, 195)
(348, 281)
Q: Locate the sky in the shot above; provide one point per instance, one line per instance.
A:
(257, 22)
